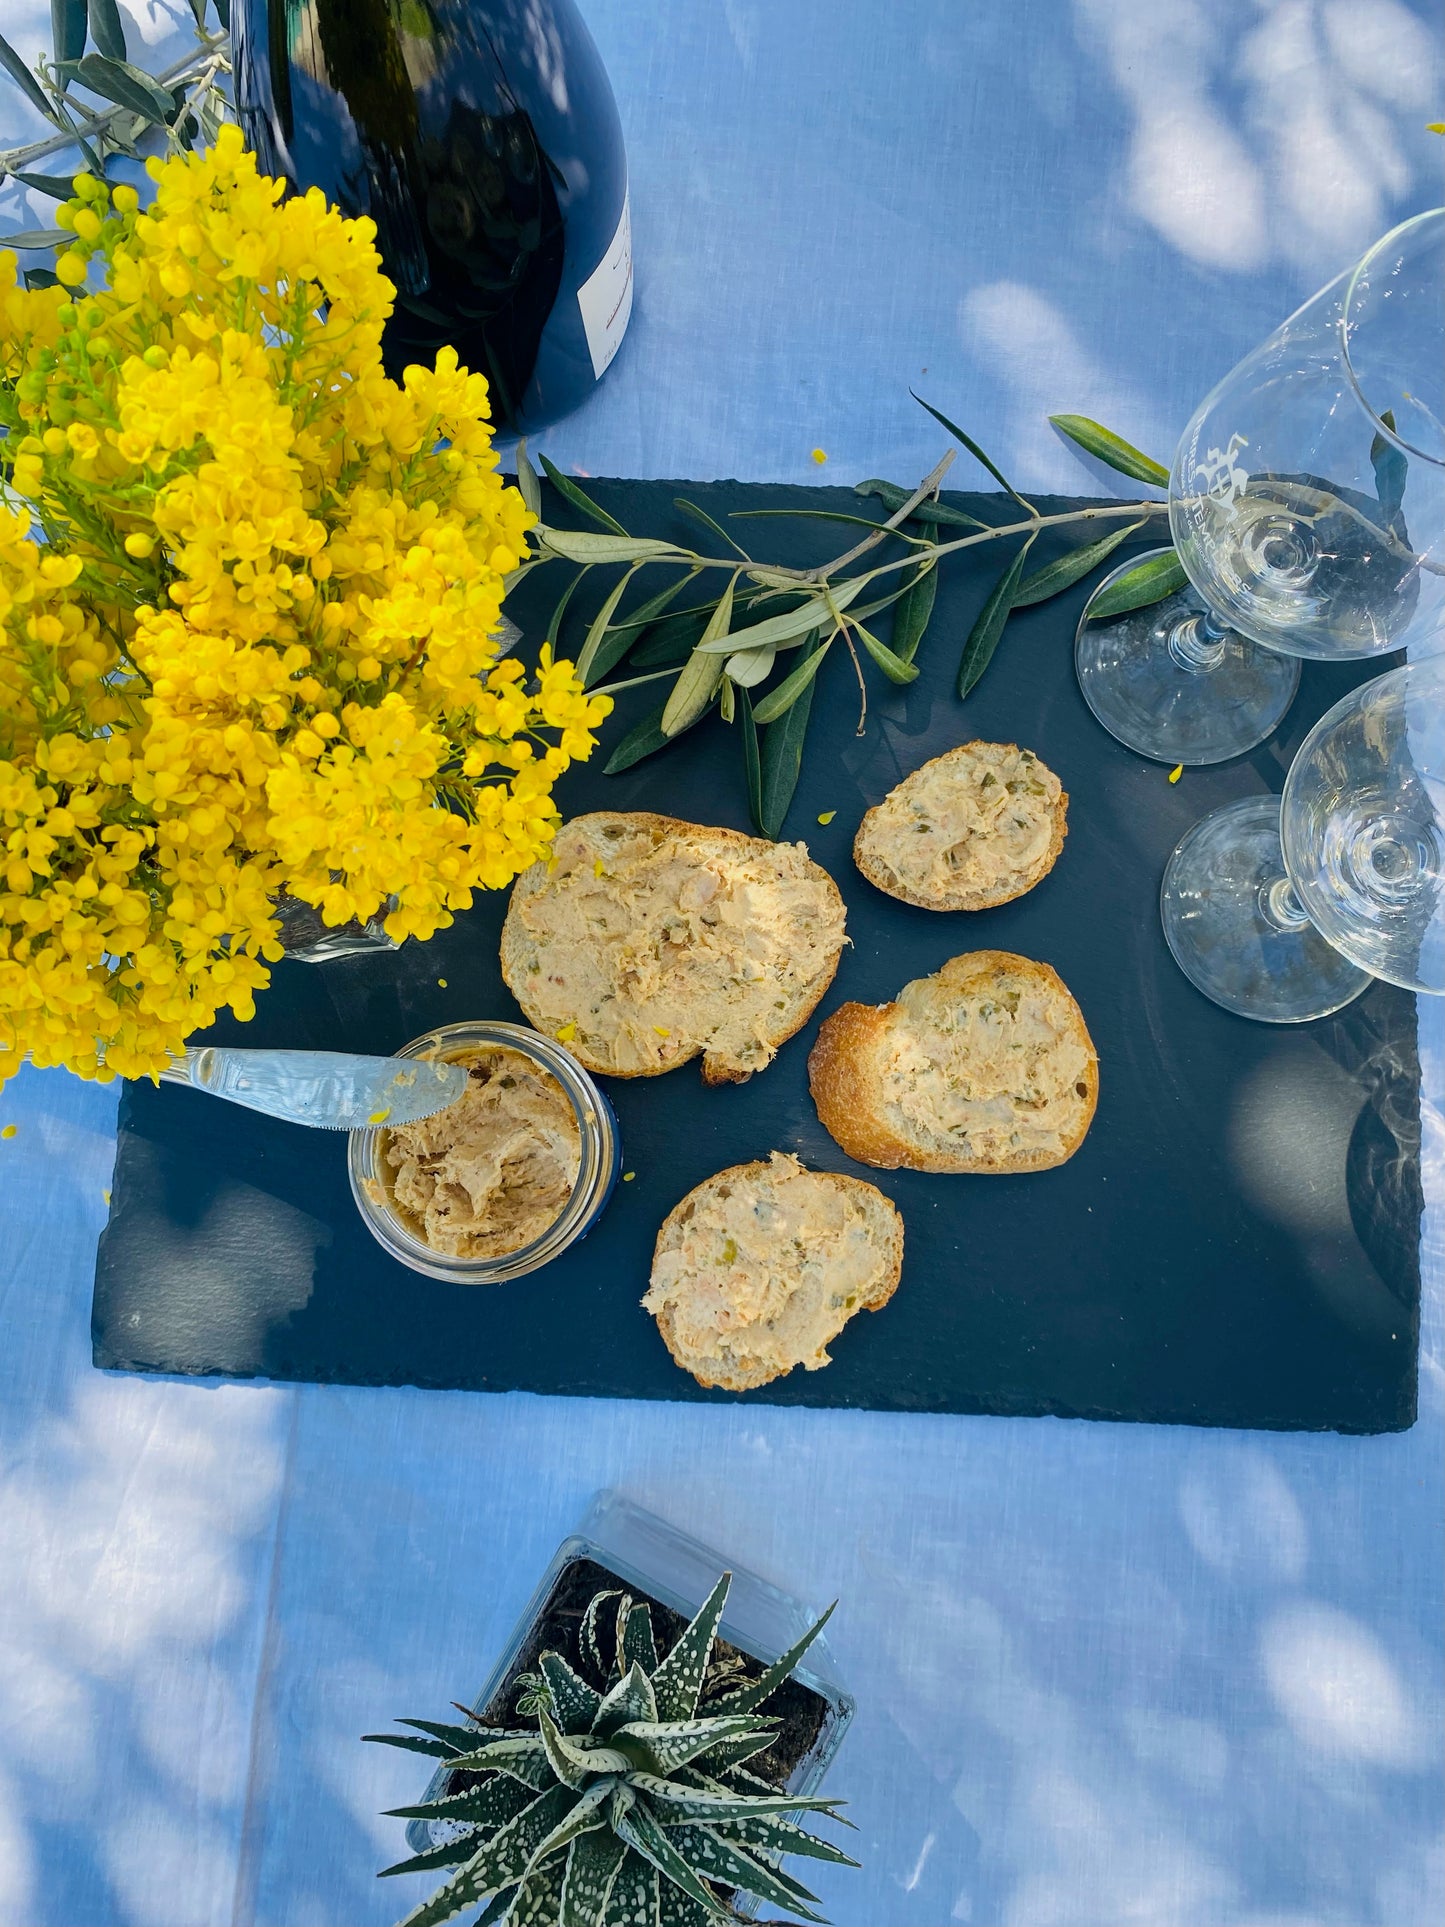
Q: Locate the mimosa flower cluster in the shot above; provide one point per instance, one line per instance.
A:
(249, 597)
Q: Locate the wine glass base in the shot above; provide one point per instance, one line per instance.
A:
(1167, 687)
(1235, 928)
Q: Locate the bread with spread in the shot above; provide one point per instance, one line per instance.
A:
(758, 1269)
(647, 941)
(985, 1066)
(973, 828)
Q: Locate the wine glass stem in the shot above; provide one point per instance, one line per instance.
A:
(1279, 905)
(1196, 643)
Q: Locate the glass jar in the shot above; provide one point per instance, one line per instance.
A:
(601, 1159)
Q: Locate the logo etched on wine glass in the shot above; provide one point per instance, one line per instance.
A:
(1219, 474)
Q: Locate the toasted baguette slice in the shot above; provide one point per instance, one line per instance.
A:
(647, 940)
(758, 1269)
(977, 826)
(985, 1066)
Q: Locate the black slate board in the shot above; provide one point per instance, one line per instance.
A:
(1236, 1243)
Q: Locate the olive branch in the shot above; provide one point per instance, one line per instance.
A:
(726, 650)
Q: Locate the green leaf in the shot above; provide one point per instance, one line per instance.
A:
(912, 611)
(41, 278)
(126, 85)
(702, 516)
(524, 1758)
(587, 671)
(106, 29)
(579, 545)
(677, 1683)
(675, 1909)
(790, 627)
(503, 1860)
(461, 1739)
(554, 627)
(970, 444)
(632, 1698)
(749, 667)
(60, 187)
(987, 631)
(25, 81)
(746, 1699)
(781, 1836)
(893, 668)
(657, 1746)
(492, 1804)
(1147, 582)
(643, 739)
(527, 480)
(752, 764)
(67, 28)
(723, 1860)
(780, 699)
(893, 497)
(593, 1861)
(782, 754)
(575, 1702)
(697, 685)
(830, 515)
(223, 13)
(1111, 449)
(37, 237)
(673, 1802)
(587, 1637)
(537, 1900)
(579, 499)
(634, 1894)
(1065, 570)
(585, 1817)
(638, 1644)
(452, 1854)
(1391, 469)
(731, 1753)
(646, 1837)
(436, 1749)
(572, 1760)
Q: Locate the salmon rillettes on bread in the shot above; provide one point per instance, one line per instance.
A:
(647, 941)
(986, 1066)
(758, 1269)
(975, 827)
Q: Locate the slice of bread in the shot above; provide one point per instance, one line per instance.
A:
(977, 826)
(647, 941)
(758, 1269)
(985, 1066)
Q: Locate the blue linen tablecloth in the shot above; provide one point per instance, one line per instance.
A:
(1104, 1673)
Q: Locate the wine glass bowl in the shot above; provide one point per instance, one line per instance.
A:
(1307, 508)
(1286, 909)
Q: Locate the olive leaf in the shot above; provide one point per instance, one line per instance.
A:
(1112, 449)
(780, 700)
(986, 632)
(702, 516)
(749, 667)
(25, 81)
(59, 187)
(912, 611)
(587, 655)
(106, 29)
(781, 758)
(1148, 581)
(579, 499)
(893, 497)
(1065, 570)
(696, 686)
(37, 237)
(643, 739)
(789, 628)
(126, 85)
(752, 766)
(41, 278)
(67, 28)
(579, 545)
(893, 667)
(528, 481)
(972, 446)
(1391, 469)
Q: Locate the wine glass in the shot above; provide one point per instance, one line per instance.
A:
(1285, 909)
(1307, 506)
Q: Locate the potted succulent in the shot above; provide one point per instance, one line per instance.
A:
(627, 1763)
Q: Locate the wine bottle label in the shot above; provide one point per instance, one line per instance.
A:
(605, 297)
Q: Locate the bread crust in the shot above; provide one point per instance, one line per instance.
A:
(878, 1296)
(887, 880)
(845, 1078)
(515, 945)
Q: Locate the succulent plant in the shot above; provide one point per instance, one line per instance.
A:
(625, 1801)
